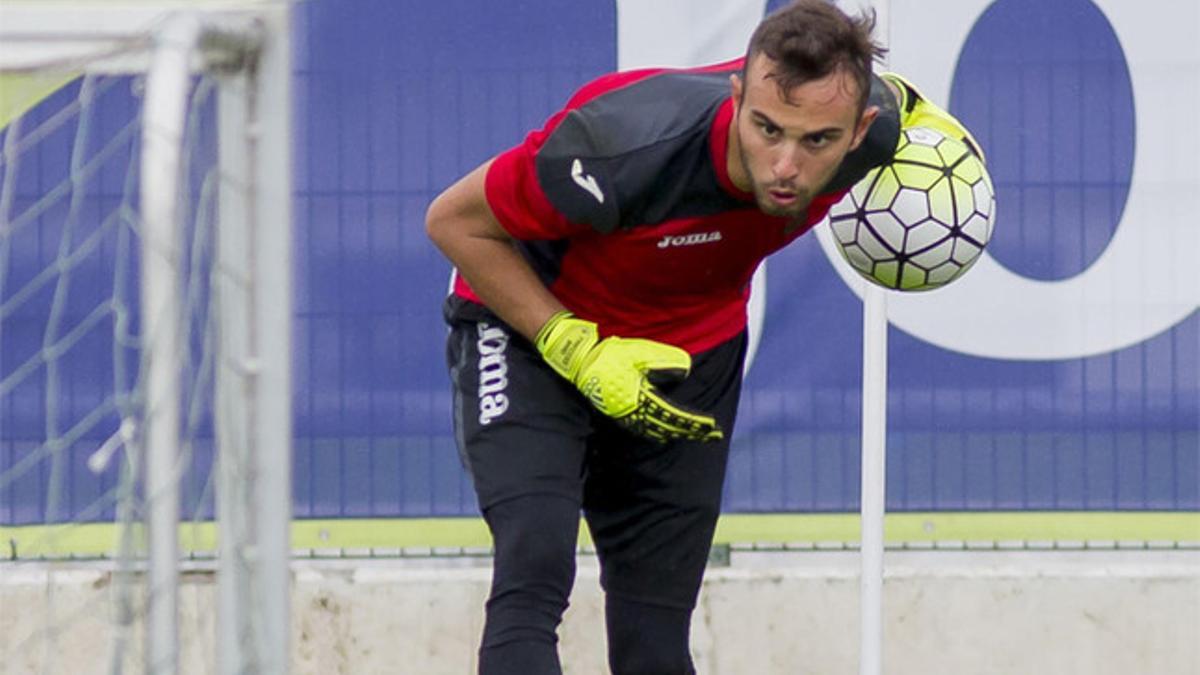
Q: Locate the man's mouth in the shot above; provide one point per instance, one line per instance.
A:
(783, 197)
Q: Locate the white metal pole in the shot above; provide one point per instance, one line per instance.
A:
(232, 287)
(162, 135)
(272, 307)
(873, 494)
(254, 383)
(874, 480)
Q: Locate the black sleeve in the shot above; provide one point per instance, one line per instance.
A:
(880, 144)
(634, 155)
(576, 175)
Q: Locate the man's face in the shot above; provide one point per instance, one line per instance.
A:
(787, 149)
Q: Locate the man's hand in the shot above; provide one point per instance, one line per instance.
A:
(614, 374)
(917, 111)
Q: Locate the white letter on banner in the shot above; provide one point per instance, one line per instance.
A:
(683, 33)
(1145, 281)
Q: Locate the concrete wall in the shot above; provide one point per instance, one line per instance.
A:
(977, 613)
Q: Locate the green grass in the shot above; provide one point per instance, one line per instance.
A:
(99, 539)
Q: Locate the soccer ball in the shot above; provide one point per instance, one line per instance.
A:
(921, 221)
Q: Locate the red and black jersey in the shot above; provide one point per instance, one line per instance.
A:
(623, 205)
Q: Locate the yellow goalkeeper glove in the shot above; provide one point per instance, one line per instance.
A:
(613, 374)
(917, 111)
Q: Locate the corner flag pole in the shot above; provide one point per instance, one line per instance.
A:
(874, 461)
(874, 448)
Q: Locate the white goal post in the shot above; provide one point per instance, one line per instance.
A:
(244, 47)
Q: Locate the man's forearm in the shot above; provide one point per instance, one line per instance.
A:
(462, 225)
(502, 278)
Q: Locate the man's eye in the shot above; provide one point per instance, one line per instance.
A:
(769, 130)
(818, 140)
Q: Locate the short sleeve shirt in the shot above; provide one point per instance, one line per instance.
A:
(623, 206)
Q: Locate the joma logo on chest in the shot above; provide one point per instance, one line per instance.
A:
(689, 239)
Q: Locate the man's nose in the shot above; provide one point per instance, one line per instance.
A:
(785, 167)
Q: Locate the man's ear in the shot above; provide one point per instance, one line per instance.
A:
(735, 90)
(864, 124)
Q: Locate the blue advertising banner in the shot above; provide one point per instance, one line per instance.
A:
(979, 418)
(1062, 373)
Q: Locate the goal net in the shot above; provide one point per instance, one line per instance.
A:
(144, 304)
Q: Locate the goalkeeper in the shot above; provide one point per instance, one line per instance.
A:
(598, 315)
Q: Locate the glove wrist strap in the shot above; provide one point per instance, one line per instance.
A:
(564, 342)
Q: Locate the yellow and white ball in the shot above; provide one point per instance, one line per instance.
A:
(922, 220)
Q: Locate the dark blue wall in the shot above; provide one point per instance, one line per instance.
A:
(396, 99)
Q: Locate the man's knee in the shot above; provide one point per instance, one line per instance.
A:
(534, 568)
(647, 639)
(535, 538)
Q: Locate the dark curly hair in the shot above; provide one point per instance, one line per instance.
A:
(809, 39)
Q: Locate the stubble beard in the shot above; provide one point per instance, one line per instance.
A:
(795, 212)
